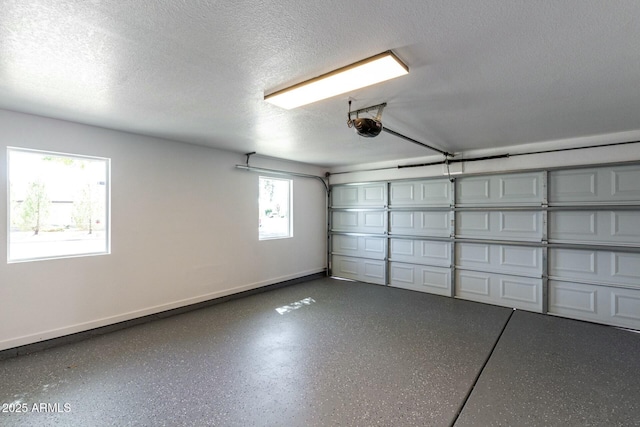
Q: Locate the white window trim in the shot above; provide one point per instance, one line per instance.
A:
(107, 230)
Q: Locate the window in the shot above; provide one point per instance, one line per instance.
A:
(275, 216)
(58, 205)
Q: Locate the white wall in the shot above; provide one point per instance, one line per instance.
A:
(184, 229)
(599, 155)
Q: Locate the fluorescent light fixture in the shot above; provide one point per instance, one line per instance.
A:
(378, 68)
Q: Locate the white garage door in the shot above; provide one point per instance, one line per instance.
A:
(359, 232)
(505, 211)
(564, 242)
(596, 213)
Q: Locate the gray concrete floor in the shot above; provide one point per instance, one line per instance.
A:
(357, 354)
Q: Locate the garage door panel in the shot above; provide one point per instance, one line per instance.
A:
(402, 221)
(435, 252)
(595, 303)
(359, 222)
(596, 185)
(573, 263)
(580, 225)
(435, 223)
(470, 223)
(469, 284)
(359, 195)
(420, 193)
(344, 196)
(507, 189)
(500, 225)
(374, 195)
(518, 222)
(346, 244)
(401, 248)
(373, 271)
(419, 223)
(434, 280)
(373, 219)
(473, 190)
(625, 267)
(519, 258)
(505, 259)
(500, 289)
(598, 267)
(518, 290)
(573, 185)
(602, 226)
(473, 255)
(361, 269)
(625, 183)
(346, 267)
(572, 298)
(345, 220)
(359, 246)
(625, 305)
(421, 252)
(519, 188)
(625, 225)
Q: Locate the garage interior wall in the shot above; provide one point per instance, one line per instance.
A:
(184, 229)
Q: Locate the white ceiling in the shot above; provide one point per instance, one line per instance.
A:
(483, 73)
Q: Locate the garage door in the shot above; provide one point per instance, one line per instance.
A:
(358, 221)
(594, 218)
(499, 234)
(564, 242)
(420, 217)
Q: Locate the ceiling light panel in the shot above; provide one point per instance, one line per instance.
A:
(379, 68)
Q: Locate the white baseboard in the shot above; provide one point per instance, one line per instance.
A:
(105, 321)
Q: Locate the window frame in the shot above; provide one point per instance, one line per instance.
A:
(289, 235)
(107, 205)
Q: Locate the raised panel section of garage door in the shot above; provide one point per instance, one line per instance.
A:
(421, 252)
(508, 189)
(602, 304)
(361, 269)
(613, 227)
(500, 225)
(596, 185)
(510, 291)
(372, 222)
(359, 195)
(434, 280)
(359, 246)
(420, 223)
(505, 259)
(435, 192)
(597, 267)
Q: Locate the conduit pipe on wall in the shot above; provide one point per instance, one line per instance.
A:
(280, 172)
(284, 173)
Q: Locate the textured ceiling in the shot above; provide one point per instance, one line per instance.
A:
(482, 73)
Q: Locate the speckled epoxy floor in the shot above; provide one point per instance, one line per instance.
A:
(547, 371)
(357, 355)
